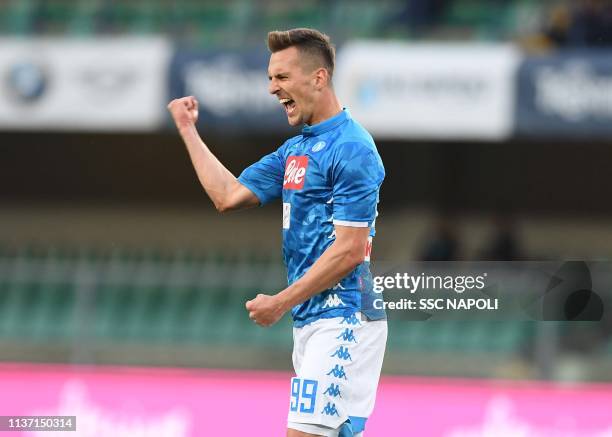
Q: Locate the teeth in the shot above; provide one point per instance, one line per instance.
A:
(284, 101)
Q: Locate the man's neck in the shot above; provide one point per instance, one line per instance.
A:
(329, 107)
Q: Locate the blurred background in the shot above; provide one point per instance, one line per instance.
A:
(493, 119)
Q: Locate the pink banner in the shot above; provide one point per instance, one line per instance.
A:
(140, 402)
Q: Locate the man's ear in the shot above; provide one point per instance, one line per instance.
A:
(321, 78)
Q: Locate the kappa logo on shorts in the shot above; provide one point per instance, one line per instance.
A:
(347, 335)
(295, 172)
(338, 372)
(330, 409)
(342, 353)
(351, 320)
(333, 390)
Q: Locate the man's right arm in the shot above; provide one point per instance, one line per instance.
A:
(226, 192)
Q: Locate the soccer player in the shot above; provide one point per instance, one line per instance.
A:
(329, 178)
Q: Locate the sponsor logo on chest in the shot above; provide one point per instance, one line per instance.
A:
(295, 172)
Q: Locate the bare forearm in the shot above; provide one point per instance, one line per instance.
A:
(338, 260)
(333, 265)
(217, 180)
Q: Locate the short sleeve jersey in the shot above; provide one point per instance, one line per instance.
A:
(329, 175)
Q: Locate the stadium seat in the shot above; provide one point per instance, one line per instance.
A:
(16, 17)
(156, 296)
(83, 22)
(54, 17)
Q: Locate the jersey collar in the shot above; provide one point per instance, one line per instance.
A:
(327, 125)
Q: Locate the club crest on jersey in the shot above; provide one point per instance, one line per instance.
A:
(319, 146)
(295, 172)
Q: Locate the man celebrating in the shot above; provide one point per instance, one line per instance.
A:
(329, 179)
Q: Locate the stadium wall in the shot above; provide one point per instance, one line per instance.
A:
(66, 187)
(522, 176)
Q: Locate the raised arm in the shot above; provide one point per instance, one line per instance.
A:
(225, 191)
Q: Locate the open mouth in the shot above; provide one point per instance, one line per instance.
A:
(289, 105)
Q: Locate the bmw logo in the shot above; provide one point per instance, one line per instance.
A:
(27, 82)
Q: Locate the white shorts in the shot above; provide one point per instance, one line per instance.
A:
(337, 364)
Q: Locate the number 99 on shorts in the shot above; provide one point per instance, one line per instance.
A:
(303, 395)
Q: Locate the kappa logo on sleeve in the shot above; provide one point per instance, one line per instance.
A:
(295, 172)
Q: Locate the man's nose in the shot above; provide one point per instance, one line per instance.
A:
(273, 87)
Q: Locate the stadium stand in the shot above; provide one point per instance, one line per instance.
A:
(234, 22)
(148, 296)
(186, 297)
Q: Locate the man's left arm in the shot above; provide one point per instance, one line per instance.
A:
(345, 253)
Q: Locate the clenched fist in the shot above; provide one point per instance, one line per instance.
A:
(265, 310)
(184, 111)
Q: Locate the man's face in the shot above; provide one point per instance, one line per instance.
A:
(293, 84)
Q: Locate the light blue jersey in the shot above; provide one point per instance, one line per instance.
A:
(329, 175)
